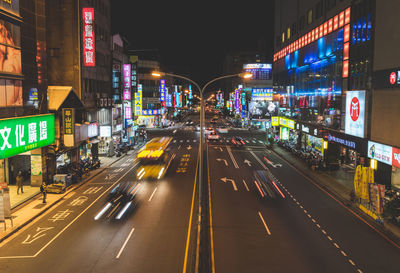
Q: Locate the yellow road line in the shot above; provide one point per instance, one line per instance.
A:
(190, 217)
(210, 212)
(265, 224)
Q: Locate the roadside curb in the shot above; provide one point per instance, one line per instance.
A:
(71, 188)
(345, 203)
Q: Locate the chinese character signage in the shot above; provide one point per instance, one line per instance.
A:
(380, 152)
(18, 135)
(169, 100)
(151, 112)
(138, 101)
(126, 77)
(88, 37)
(68, 121)
(355, 109)
(162, 90)
(262, 93)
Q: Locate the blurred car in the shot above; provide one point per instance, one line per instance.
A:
(120, 200)
(213, 136)
(267, 185)
(208, 130)
(189, 122)
(237, 141)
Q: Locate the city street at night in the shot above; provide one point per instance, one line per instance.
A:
(145, 137)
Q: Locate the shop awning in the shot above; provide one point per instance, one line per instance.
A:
(63, 96)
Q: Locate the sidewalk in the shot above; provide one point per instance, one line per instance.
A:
(338, 183)
(30, 210)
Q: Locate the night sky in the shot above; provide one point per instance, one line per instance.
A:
(192, 39)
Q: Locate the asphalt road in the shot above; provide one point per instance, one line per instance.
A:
(153, 238)
(307, 231)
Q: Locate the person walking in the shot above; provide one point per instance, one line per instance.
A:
(43, 189)
(20, 182)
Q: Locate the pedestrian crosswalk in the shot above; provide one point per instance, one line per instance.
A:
(222, 141)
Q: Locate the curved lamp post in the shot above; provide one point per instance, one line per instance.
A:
(159, 74)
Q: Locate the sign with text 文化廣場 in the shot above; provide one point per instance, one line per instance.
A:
(19, 135)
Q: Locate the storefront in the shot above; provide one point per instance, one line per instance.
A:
(385, 160)
(23, 150)
(105, 138)
(351, 150)
(287, 132)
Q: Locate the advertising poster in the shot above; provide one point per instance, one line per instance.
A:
(126, 76)
(380, 152)
(355, 113)
(36, 164)
(262, 109)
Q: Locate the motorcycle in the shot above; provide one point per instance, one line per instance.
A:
(95, 164)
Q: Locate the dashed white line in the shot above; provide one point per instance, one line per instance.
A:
(352, 263)
(126, 241)
(343, 253)
(336, 245)
(151, 196)
(329, 238)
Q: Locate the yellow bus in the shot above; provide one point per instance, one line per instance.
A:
(154, 159)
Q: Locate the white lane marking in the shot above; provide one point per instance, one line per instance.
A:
(126, 241)
(194, 140)
(174, 131)
(343, 253)
(254, 141)
(232, 158)
(260, 141)
(181, 140)
(259, 161)
(352, 263)
(179, 147)
(76, 218)
(247, 141)
(151, 196)
(187, 140)
(245, 185)
(265, 225)
(174, 141)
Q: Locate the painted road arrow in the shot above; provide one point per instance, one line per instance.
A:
(247, 162)
(272, 163)
(218, 148)
(220, 159)
(224, 179)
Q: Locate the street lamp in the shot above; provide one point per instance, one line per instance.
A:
(159, 74)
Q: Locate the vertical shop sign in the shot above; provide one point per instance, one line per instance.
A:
(88, 38)
(138, 101)
(162, 90)
(68, 121)
(126, 76)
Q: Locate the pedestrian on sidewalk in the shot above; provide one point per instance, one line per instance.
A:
(43, 189)
(20, 182)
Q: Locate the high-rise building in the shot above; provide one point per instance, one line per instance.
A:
(336, 68)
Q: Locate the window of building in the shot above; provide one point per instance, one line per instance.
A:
(309, 16)
(331, 4)
(318, 10)
(302, 22)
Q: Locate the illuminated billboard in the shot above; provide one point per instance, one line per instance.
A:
(19, 135)
(138, 101)
(126, 77)
(259, 71)
(88, 39)
(355, 113)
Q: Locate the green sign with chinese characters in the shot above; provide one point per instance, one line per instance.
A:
(18, 135)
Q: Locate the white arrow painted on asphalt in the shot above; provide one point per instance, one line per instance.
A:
(231, 180)
(220, 148)
(220, 159)
(247, 162)
(272, 163)
(189, 147)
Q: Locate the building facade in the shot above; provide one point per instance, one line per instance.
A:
(335, 70)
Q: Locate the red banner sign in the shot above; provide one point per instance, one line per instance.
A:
(396, 157)
(88, 37)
